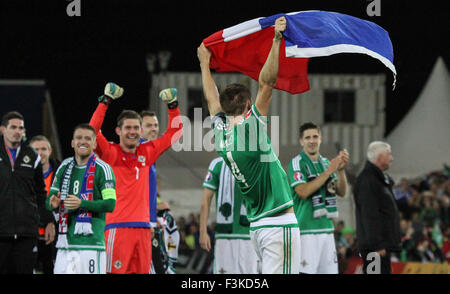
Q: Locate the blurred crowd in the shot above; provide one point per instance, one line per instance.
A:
(197, 260)
(424, 207)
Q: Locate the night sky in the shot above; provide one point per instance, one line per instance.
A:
(76, 56)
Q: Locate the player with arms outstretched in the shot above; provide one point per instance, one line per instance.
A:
(243, 143)
(127, 231)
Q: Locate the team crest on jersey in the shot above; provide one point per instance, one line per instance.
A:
(118, 264)
(141, 158)
(208, 176)
(298, 176)
(26, 159)
(155, 242)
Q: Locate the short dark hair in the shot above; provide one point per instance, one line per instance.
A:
(128, 114)
(308, 126)
(85, 126)
(145, 113)
(9, 116)
(234, 98)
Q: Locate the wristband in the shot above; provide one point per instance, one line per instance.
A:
(104, 99)
(173, 104)
(278, 39)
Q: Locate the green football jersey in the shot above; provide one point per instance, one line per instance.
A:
(104, 189)
(231, 220)
(299, 173)
(247, 151)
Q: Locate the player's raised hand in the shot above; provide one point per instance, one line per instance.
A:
(203, 54)
(344, 159)
(113, 91)
(168, 95)
(55, 200)
(280, 26)
(334, 164)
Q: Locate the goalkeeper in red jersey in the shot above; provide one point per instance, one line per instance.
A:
(127, 230)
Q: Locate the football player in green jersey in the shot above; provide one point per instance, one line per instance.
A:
(243, 143)
(233, 250)
(83, 191)
(315, 182)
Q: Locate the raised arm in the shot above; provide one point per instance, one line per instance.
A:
(341, 184)
(269, 72)
(209, 86)
(307, 189)
(174, 130)
(112, 91)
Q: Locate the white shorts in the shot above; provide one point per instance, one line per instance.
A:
(235, 256)
(318, 254)
(277, 246)
(80, 262)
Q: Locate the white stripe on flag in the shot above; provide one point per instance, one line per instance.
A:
(241, 30)
(294, 51)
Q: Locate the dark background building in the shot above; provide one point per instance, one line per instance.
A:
(77, 55)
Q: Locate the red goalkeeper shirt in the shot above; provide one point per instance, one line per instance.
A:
(131, 170)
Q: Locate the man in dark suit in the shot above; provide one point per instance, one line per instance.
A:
(377, 217)
(22, 196)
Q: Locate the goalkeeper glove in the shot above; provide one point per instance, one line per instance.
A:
(169, 96)
(112, 91)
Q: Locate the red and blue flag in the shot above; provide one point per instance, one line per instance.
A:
(244, 47)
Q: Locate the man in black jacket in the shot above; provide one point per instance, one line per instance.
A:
(377, 217)
(22, 194)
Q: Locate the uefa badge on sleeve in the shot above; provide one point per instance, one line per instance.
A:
(298, 176)
(208, 177)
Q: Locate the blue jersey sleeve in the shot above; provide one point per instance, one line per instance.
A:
(152, 195)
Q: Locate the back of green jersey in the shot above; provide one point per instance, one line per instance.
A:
(231, 219)
(247, 151)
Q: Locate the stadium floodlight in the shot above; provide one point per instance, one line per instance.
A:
(150, 58)
(164, 58)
